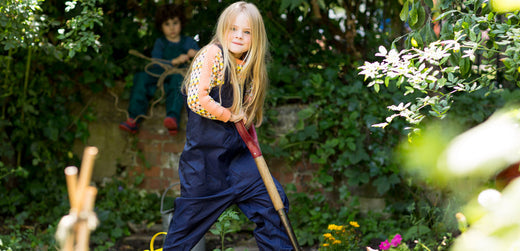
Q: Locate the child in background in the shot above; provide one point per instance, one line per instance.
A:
(176, 48)
(227, 83)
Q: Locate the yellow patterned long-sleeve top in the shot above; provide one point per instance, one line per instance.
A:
(207, 73)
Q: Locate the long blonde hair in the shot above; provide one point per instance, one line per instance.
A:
(254, 68)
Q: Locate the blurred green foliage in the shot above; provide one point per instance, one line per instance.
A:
(54, 51)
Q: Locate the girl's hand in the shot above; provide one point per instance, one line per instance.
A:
(237, 117)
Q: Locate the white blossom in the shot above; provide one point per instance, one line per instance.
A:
(393, 58)
(370, 70)
(470, 54)
(382, 51)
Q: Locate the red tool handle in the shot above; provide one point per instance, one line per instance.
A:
(250, 138)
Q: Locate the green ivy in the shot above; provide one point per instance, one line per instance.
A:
(53, 51)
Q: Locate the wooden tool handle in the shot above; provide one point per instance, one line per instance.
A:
(269, 183)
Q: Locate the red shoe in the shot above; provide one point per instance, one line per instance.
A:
(129, 125)
(171, 124)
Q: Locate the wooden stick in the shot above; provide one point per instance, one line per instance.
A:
(87, 164)
(83, 231)
(71, 175)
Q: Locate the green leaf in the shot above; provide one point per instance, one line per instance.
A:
(421, 17)
(413, 16)
(382, 184)
(289, 4)
(400, 81)
(306, 113)
(441, 82)
(464, 66)
(404, 12)
(415, 232)
(491, 17)
(472, 35)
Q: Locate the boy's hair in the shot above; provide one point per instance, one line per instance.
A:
(169, 11)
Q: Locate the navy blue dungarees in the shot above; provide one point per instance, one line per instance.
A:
(217, 170)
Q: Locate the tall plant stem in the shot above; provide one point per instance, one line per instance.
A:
(26, 79)
(7, 71)
(24, 94)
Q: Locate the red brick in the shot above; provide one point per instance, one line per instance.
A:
(169, 173)
(302, 182)
(153, 147)
(150, 159)
(284, 177)
(174, 191)
(141, 145)
(166, 182)
(153, 183)
(175, 147)
(134, 171)
(148, 135)
(153, 171)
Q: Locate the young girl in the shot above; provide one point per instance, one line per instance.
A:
(227, 83)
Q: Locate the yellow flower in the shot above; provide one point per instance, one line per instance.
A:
(335, 227)
(354, 224)
(327, 235)
(336, 242)
(325, 244)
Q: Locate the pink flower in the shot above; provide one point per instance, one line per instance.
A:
(385, 245)
(396, 240)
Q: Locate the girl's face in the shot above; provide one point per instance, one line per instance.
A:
(239, 36)
(172, 29)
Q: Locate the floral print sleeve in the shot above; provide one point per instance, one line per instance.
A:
(207, 73)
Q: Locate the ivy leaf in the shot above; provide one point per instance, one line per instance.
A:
(413, 16)
(289, 4)
(443, 15)
(376, 88)
(421, 16)
(400, 81)
(464, 66)
(384, 183)
(404, 12)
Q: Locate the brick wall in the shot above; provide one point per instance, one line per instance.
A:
(157, 160)
(157, 157)
(152, 154)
